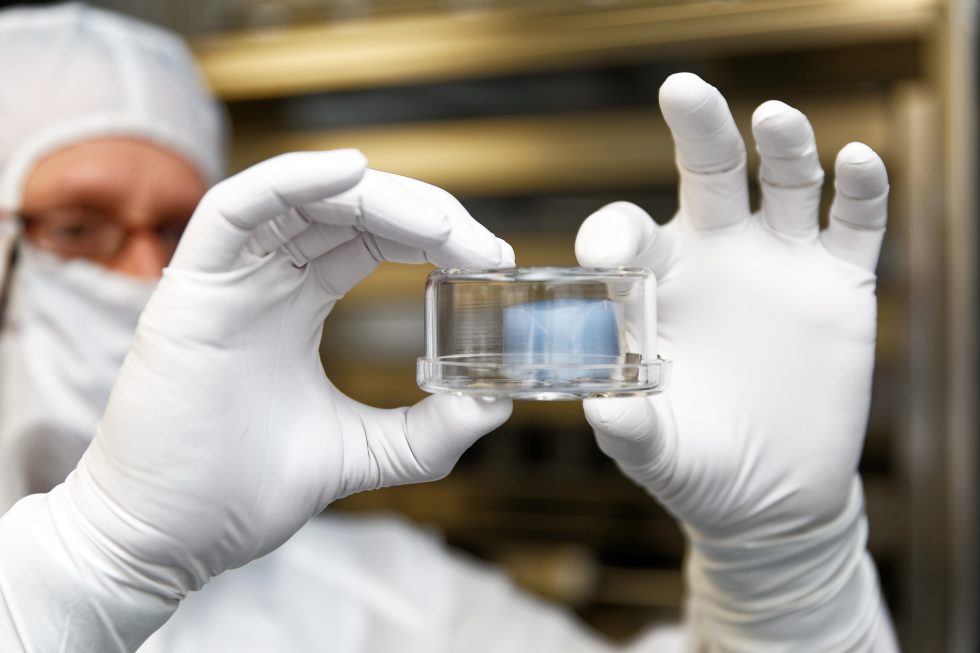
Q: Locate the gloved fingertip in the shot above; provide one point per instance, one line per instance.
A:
(484, 255)
(477, 414)
(350, 157)
(702, 126)
(780, 130)
(860, 172)
(770, 110)
(629, 418)
(508, 258)
(613, 236)
(684, 93)
(493, 409)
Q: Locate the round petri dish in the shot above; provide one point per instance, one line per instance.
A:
(542, 333)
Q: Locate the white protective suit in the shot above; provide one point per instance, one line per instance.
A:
(379, 585)
(71, 74)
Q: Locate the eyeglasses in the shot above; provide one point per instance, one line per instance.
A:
(78, 232)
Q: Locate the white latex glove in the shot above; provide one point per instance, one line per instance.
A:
(771, 326)
(223, 436)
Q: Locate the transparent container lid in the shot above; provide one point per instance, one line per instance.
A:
(542, 333)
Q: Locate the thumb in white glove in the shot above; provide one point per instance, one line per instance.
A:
(223, 435)
(771, 326)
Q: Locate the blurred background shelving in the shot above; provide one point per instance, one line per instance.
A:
(537, 112)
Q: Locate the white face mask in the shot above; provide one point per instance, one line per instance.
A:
(67, 330)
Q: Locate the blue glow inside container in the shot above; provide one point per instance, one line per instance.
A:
(542, 333)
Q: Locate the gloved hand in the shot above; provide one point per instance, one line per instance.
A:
(771, 326)
(223, 435)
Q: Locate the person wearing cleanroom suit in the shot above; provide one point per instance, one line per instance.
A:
(168, 437)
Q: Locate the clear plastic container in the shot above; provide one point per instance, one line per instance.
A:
(542, 333)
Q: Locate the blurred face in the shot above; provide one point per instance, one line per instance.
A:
(119, 202)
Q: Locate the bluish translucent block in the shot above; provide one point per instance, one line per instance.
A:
(561, 335)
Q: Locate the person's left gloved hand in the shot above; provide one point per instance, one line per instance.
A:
(770, 322)
(223, 435)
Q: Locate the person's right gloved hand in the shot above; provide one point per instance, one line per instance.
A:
(223, 435)
(770, 323)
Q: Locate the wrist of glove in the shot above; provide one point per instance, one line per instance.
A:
(66, 587)
(817, 586)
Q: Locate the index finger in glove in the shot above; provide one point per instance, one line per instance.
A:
(407, 221)
(710, 152)
(470, 244)
(380, 205)
(341, 263)
(229, 213)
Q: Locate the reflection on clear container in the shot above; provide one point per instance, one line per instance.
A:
(542, 333)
